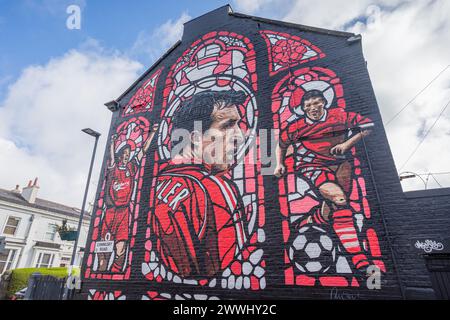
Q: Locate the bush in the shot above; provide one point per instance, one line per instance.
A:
(19, 277)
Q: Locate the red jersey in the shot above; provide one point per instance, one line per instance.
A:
(197, 219)
(313, 140)
(120, 183)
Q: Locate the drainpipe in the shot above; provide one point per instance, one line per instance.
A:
(394, 260)
(31, 219)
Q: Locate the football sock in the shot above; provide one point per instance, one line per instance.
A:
(344, 226)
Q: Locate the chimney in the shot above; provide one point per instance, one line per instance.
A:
(17, 189)
(29, 192)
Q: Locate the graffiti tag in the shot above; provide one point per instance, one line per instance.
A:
(429, 245)
(337, 294)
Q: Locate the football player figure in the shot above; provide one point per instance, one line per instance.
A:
(320, 143)
(197, 212)
(119, 189)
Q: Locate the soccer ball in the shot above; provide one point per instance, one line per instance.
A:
(312, 250)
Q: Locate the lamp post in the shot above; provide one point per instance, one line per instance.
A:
(96, 135)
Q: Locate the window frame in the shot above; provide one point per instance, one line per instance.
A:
(47, 232)
(64, 260)
(40, 257)
(9, 263)
(6, 225)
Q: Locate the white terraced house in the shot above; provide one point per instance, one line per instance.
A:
(28, 229)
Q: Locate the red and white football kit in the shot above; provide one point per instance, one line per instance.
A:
(312, 142)
(197, 219)
(120, 183)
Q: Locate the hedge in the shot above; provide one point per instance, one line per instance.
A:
(19, 277)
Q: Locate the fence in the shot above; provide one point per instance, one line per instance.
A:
(42, 287)
(4, 283)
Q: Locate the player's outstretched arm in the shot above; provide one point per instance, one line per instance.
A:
(342, 148)
(111, 150)
(148, 142)
(280, 153)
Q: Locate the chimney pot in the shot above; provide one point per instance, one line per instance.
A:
(29, 192)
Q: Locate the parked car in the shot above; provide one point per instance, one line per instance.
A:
(19, 295)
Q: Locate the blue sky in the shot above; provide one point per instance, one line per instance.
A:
(33, 32)
(54, 81)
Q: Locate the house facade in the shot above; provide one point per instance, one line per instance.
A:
(29, 230)
(304, 203)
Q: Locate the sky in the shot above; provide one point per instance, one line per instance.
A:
(54, 81)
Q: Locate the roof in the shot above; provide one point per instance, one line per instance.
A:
(227, 8)
(294, 25)
(438, 192)
(42, 204)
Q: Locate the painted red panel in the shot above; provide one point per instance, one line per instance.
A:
(144, 98)
(117, 211)
(324, 236)
(287, 51)
(216, 62)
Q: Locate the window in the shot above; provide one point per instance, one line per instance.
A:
(51, 232)
(7, 259)
(65, 261)
(45, 260)
(11, 226)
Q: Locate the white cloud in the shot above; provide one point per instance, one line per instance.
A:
(150, 45)
(4, 82)
(333, 14)
(405, 49)
(171, 31)
(252, 6)
(272, 9)
(43, 113)
(406, 45)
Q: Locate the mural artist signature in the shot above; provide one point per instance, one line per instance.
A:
(337, 294)
(429, 245)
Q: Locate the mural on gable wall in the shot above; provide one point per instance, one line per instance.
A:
(116, 218)
(115, 221)
(206, 222)
(322, 193)
(205, 225)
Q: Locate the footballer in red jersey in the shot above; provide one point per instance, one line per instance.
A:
(320, 142)
(120, 178)
(197, 215)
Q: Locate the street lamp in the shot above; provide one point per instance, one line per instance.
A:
(408, 175)
(96, 135)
